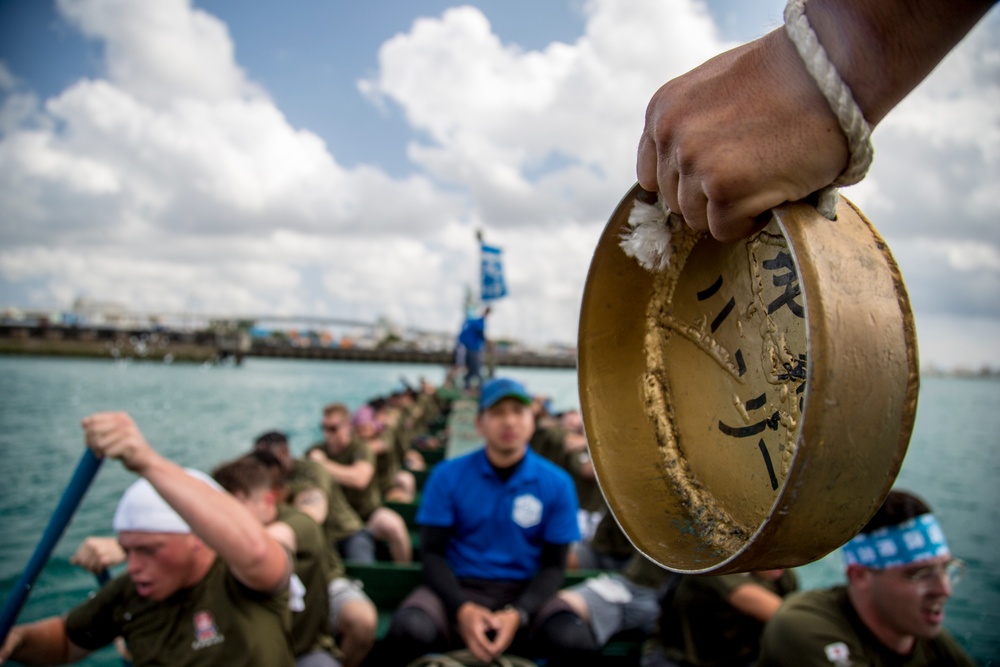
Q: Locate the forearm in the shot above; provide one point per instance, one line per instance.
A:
(756, 601)
(438, 575)
(355, 476)
(41, 643)
(548, 580)
(883, 50)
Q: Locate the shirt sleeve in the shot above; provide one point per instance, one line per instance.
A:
(798, 637)
(435, 503)
(92, 625)
(562, 526)
(437, 573)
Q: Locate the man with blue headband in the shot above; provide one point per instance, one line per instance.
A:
(900, 574)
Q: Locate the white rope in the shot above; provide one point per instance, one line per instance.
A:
(838, 96)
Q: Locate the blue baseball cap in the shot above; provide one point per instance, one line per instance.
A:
(500, 388)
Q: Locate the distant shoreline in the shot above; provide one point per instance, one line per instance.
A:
(209, 347)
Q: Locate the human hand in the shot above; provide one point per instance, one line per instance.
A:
(475, 625)
(318, 455)
(509, 622)
(414, 460)
(98, 553)
(13, 641)
(738, 135)
(378, 446)
(115, 435)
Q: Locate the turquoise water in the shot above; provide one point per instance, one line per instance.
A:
(200, 415)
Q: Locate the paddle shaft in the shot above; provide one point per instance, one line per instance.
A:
(84, 474)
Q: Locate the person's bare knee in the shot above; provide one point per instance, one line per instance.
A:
(387, 525)
(358, 620)
(406, 481)
(576, 603)
(355, 631)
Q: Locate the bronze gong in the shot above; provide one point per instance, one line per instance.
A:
(748, 407)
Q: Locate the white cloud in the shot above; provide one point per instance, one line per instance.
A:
(160, 51)
(174, 181)
(495, 112)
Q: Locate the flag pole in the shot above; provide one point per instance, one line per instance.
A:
(479, 238)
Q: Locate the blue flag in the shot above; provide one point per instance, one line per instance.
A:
(493, 283)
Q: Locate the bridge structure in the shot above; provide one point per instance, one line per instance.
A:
(211, 338)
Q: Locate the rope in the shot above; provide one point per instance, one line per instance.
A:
(464, 658)
(838, 96)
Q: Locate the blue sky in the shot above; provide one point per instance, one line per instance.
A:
(336, 158)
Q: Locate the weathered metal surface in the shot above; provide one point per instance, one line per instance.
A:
(749, 407)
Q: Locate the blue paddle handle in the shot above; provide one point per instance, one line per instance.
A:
(103, 577)
(84, 474)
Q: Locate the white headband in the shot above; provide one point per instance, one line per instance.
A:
(142, 510)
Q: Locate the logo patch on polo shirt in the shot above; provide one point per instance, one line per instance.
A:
(527, 511)
(205, 632)
(838, 654)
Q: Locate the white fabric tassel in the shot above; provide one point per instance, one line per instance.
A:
(648, 239)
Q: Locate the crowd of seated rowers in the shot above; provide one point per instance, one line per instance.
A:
(333, 508)
(334, 505)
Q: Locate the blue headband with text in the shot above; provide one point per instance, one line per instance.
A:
(917, 539)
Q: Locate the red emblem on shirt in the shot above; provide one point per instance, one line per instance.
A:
(205, 632)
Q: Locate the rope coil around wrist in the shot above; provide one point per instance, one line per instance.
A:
(838, 95)
(464, 658)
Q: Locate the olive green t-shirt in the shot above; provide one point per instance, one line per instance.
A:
(550, 442)
(315, 562)
(701, 627)
(366, 500)
(430, 411)
(821, 628)
(388, 463)
(644, 572)
(218, 621)
(609, 539)
(341, 519)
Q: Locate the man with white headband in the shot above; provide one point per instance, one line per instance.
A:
(205, 583)
(900, 574)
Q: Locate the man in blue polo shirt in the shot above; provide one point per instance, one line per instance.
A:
(496, 525)
(472, 340)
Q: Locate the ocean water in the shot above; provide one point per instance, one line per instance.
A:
(201, 415)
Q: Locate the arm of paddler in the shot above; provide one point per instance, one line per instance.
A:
(218, 519)
(749, 129)
(754, 600)
(97, 554)
(43, 642)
